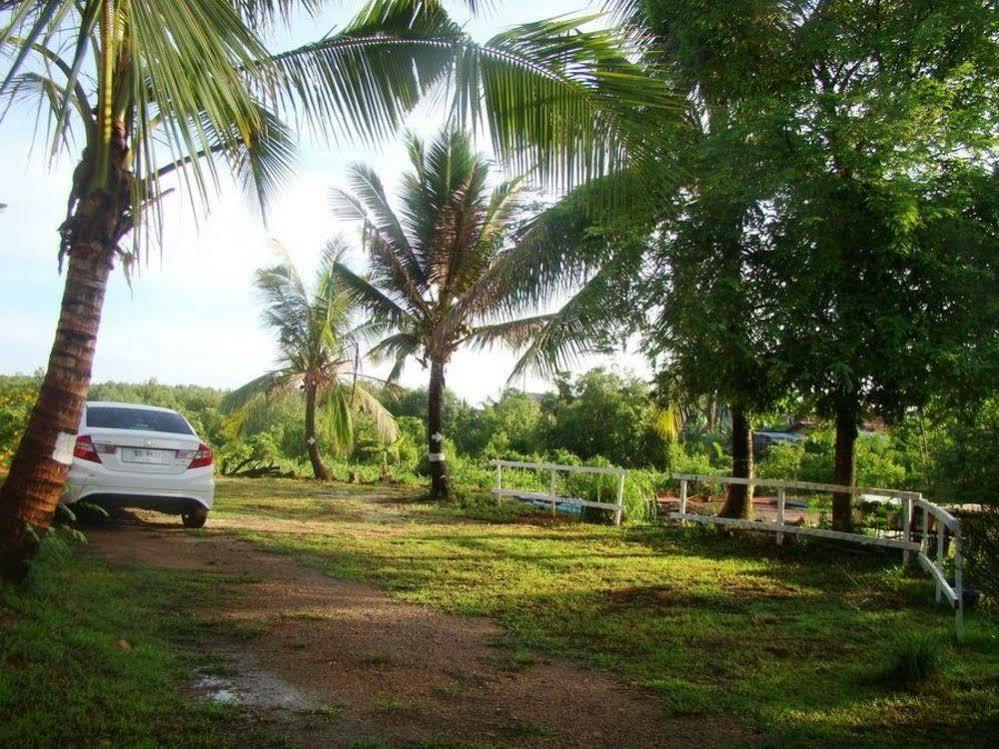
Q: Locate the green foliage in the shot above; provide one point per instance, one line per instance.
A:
(981, 550)
(92, 654)
(604, 414)
(879, 463)
(914, 658)
(17, 397)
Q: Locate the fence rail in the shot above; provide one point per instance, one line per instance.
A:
(551, 496)
(910, 501)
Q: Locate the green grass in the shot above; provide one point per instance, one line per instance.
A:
(91, 656)
(794, 642)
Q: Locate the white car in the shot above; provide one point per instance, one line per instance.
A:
(129, 455)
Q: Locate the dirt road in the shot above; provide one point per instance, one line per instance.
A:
(329, 662)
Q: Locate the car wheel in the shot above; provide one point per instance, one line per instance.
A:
(195, 518)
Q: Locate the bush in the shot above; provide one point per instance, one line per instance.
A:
(981, 549)
(914, 657)
(638, 495)
(17, 396)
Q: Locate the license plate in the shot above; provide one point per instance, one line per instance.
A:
(140, 455)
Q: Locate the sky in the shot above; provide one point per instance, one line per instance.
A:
(191, 315)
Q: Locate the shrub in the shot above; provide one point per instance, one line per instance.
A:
(981, 549)
(914, 657)
(783, 462)
(17, 396)
(638, 495)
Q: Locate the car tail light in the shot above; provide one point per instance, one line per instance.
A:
(203, 457)
(85, 449)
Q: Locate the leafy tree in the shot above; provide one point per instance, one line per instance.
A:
(167, 89)
(514, 423)
(317, 355)
(805, 245)
(886, 233)
(688, 256)
(604, 414)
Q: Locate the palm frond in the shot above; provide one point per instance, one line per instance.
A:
(574, 330)
(278, 381)
(262, 14)
(556, 97)
(514, 333)
(287, 307)
(336, 420)
(362, 81)
(364, 293)
(394, 346)
(385, 424)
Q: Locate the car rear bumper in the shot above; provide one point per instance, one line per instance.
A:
(168, 493)
(168, 505)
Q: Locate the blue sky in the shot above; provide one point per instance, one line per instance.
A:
(191, 315)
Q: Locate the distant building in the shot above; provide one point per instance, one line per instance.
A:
(762, 441)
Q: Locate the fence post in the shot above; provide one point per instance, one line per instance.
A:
(620, 499)
(924, 542)
(551, 490)
(781, 499)
(499, 483)
(940, 553)
(958, 584)
(683, 500)
(906, 527)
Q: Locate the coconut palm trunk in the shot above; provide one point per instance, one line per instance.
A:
(319, 468)
(435, 431)
(31, 493)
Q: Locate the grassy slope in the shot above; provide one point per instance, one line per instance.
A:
(795, 643)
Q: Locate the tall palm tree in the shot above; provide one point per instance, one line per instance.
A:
(439, 267)
(317, 349)
(185, 90)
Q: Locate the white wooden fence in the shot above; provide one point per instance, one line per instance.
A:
(552, 496)
(906, 540)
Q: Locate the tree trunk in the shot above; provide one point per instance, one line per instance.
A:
(435, 432)
(29, 497)
(319, 468)
(845, 469)
(90, 236)
(739, 503)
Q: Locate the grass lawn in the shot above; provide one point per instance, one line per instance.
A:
(91, 656)
(795, 642)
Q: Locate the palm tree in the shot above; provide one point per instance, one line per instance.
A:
(317, 349)
(439, 267)
(185, 89)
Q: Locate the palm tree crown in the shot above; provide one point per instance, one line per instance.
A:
(317, 355)
(443, 269)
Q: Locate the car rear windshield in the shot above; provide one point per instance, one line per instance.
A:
(110, 417)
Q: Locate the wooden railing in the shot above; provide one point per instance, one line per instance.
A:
(552, 496)
(905, 542)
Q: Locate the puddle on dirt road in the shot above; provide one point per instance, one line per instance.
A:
(250, 685)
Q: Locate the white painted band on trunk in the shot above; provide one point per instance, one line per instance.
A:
(437, 437)
(436, 457)
(63, 450)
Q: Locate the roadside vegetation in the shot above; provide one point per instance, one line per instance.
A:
(597, 417)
